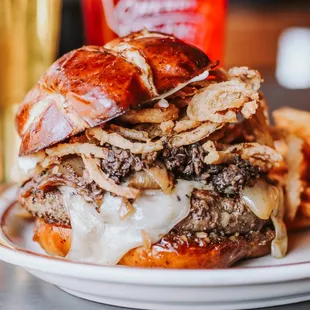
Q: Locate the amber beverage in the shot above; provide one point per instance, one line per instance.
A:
(199, 22)
(28, 44)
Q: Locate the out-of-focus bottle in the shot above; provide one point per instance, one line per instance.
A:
(29, 32)
(199, 22)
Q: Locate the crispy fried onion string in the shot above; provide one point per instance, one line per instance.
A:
(195, 135)
(246, 75)
(166, 127)
(186, 124)
(132, 134)
(213, 156)
(259, 155)
(221, 102)
(103, 181)
(64, 149)
(258, 125)
(119, 141)
(153, 115)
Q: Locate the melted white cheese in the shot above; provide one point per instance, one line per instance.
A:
(163, 103)
(197, 78)
(29, 162)
(104, 238)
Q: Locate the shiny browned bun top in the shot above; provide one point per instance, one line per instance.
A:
(94, 84)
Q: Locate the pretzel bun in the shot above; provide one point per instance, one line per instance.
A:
(56, 240)
(92, 85)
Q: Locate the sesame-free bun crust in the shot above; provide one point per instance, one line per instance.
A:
(93, 84)
(56, 240)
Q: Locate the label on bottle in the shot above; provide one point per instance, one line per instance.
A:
(181, 18)
(198, 22)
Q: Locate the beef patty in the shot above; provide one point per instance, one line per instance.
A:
(218, 209)
(209, 212)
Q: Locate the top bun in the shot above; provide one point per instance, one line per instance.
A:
(93, 84)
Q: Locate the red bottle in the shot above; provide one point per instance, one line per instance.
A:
(199, 22)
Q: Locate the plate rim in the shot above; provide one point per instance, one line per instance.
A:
(141, 276)
(171, 277)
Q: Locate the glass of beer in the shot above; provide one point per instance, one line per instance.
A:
(29, 32)
(199, 22)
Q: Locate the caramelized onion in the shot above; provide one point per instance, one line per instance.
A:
(162, 178)
(279, 244)
(142, 180)
(266, 201)
(147, 242)
(125, 209)
(260, 198)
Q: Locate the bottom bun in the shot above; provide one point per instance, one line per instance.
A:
(172, 251)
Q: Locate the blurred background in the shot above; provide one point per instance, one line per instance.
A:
(272, 36)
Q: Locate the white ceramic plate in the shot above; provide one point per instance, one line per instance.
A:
(254, 283)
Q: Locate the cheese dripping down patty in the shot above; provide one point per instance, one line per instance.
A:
(30, 162)
(104, 238)
(263, 199)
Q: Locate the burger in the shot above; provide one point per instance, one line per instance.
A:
(292, 138)
(145, 153)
